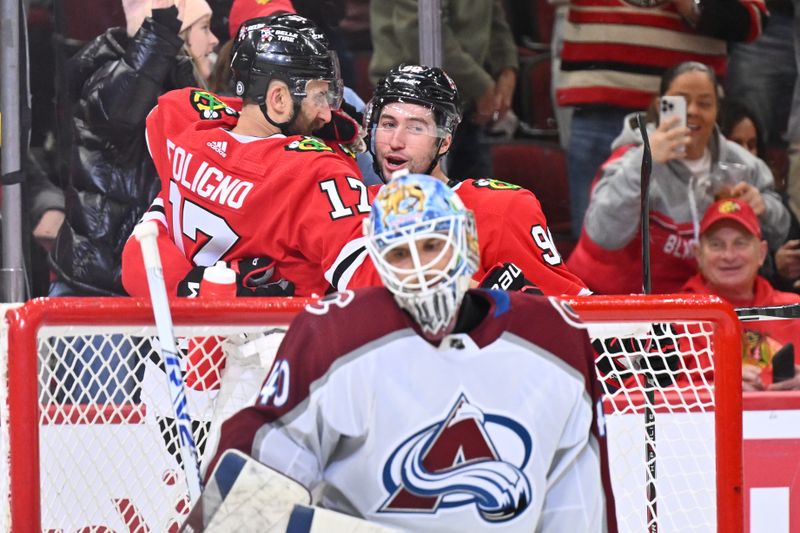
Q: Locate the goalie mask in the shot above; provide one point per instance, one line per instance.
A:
(428, 87)
(424, 245)
(288, 48)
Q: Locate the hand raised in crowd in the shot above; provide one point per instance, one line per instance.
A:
(750, 194)
(787, 261)
(165, 4)
(751, 378)
(789, 384)
(668, 142)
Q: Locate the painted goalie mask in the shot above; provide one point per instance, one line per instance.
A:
(424, 244)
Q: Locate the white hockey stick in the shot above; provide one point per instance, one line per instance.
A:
(146, 233)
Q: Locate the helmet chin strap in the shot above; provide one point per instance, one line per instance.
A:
(437, 157)
(282, 126)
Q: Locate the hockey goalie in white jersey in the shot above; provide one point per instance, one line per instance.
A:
(426, 406)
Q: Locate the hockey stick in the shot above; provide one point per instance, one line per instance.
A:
(146, 233)
(650, 382)
(647, 166)
(780, 312)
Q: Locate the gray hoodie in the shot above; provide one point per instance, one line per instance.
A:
(612, 218)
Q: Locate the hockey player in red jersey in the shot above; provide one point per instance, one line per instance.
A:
(413, 421)
(410, 122)
(241, 178)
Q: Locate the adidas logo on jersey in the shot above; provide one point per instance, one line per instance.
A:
(220, 147)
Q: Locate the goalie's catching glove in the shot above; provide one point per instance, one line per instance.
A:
(253, 278)
(508, 277)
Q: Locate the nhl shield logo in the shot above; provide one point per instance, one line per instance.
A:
(470, 458)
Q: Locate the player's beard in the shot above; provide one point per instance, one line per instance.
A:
(303, 125)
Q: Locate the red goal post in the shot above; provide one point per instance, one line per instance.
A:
(49, 424)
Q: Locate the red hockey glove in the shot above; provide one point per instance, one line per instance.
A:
(508, 277)
(341, 129)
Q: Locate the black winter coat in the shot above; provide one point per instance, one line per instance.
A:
(116, 81)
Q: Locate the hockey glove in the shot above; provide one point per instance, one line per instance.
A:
(344, 129)
(619, 359)
(508, 277)
(253, 278)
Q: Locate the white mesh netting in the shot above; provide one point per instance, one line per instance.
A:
(108, 439)
(664, 371)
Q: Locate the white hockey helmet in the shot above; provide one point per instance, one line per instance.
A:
(424, 244)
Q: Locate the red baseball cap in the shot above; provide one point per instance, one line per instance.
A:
(242, 10)
(731, 209)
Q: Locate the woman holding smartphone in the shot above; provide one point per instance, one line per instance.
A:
(686, 176)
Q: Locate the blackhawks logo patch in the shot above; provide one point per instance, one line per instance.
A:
(495, 185)
(208, 106)
(347, 150)
(308, 144)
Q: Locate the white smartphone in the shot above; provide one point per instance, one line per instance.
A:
(672, 106)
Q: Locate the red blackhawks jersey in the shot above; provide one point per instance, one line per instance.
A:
(226, 196)
(512, 228)
(443, 438)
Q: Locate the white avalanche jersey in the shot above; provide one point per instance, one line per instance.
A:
(494, 430)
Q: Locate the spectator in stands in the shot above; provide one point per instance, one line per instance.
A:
(478, 51)
(117, 78)
(763, 72)
(682, 185)
(729, 253)
(613, 56)
(739, 124)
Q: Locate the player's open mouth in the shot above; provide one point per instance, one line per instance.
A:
(393, 163)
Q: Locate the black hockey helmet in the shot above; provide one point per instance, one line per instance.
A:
(426, 86)
(287, 47)
(429, 87)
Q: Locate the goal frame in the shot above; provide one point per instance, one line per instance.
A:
(726, 338)
(22, 378)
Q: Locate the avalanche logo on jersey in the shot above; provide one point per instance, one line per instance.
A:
(308, 144)
(495, 185)
(209, 106)
(470, 458)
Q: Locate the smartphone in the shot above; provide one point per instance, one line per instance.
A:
(783, 363)
(672, 106)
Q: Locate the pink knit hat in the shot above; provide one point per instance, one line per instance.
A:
(190, 11)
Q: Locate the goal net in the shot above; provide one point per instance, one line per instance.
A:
(91, 443)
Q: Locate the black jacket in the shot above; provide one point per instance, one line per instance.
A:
(115, 81)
